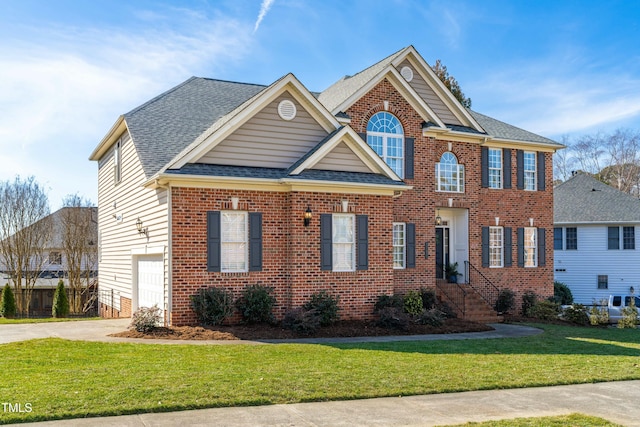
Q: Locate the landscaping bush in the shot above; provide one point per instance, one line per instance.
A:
(386, 301)
(599, 313)
(529, 299)
(146, 319)
(256, 304)
(428, 298)
(577, 314)
(545, 310)
(562, 294)
(325, 306)
(433, 317)
(629, 316)
(302, 321)
(212, 306)
(446, 310)
(393, 318)
(506, 301)
(412, 303)
(60, 301)
(7, 302)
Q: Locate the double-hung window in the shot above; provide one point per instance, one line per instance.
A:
(344, 242)
(495, 168)
(386, 136)
(399, 245)
(450, 174)
(234, 246)
(530, 247)
(628, 237)
(496, 247)
(529, 170)
(571, 239)
(613, 238)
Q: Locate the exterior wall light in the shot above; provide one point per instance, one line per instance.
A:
(307, 216)
(438, 218)
(141, 230)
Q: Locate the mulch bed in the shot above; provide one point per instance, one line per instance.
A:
(265, 331)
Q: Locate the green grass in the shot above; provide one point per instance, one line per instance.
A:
(4, 321)
(572, 420)
(63, 379)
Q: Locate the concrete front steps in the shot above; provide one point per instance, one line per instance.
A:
(475, 308)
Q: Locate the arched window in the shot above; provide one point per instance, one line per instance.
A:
(449, 174)
(386, 137)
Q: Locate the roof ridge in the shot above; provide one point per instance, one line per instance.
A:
(162, 95)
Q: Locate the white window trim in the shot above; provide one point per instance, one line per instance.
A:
(334, 222)
(223, 242)
(501, 247)
(385, 144)
(534, 171)
(495, 169)
(403, 227)
(533, 247)
(117, 162)
(459, 181)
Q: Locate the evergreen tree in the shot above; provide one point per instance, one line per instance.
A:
(7, 302)
(60, 301)
(451, 83)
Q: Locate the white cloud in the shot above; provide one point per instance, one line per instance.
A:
(264, 8)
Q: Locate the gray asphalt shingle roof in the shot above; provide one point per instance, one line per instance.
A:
(583, 199)
(503, 130)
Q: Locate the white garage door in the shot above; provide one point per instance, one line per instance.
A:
(151, 281)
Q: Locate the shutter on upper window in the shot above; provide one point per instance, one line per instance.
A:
(213, 241)
(508, 247)
(410, 230)
(541, 172)
(363, 135)
(520, 247)
(255, 241)
(484, 166)
(485, 246)
(408, 157)
(542, 245)
(362, 242)
(326, 248)
(520, 166)
(506, 167)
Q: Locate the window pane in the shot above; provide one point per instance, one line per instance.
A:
(530, 247)
(529, 171)
(449, 174)
(629, 237)
(572, 238)
(399, 245)
(613, 238)
(386, 136)
(234, 247)
(343, 242)
(557, 239)
(603, 282)
(495, 168)
(496, 246)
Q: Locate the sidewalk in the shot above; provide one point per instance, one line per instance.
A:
(614, 401)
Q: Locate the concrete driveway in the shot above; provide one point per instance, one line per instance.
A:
(86, 330)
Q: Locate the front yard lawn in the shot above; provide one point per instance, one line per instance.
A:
(65, 379)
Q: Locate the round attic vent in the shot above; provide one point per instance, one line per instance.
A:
(287, 109)
(407, 73)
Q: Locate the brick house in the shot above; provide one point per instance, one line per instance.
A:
(209, 184)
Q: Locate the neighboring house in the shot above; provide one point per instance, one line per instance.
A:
(55, 263)
(209, 184)
(595, 233)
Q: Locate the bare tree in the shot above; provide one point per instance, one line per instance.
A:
(589, 153)
(563, 162)
(79, 234)
(25, 233)
(623, 170)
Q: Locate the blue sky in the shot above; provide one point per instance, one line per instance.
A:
(68, 69)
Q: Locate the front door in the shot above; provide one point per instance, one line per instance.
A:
(442, 251)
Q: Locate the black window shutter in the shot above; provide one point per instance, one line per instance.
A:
(326, 246)
(520, 247)
(363, 135)
(255, 241)
(508, 247)
(411, 245)
(362, 242)
(408, 157)
(485, 246)
(542, 246)
(484, 165)
(541, 172)
(213, 241)
(520, 166)
(506, 167)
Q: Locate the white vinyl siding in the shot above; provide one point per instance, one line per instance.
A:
(266, 140)
(342, 158)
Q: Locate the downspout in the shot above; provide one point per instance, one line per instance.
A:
(169, 251)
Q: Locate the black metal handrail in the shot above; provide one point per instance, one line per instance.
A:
(481, 284)
(455, 293)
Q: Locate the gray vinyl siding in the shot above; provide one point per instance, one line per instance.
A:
(430, 97)
(342, 158)
(592, 258)
(266, 140)
(117, 239)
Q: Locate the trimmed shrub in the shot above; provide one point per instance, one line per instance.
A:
(433, 317)
(393, 318)
(599, 313)
(428, 298)
(256, 304)
(629, 317)
(562, 294)
(302, 321)
(386, 301)
(60, 301)
(412, 303)
(545, 310)
(325, 306)
(529, 299)
(576, 314)
(506, 301)
(7, 302)
(212, 305)
(146, 319)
